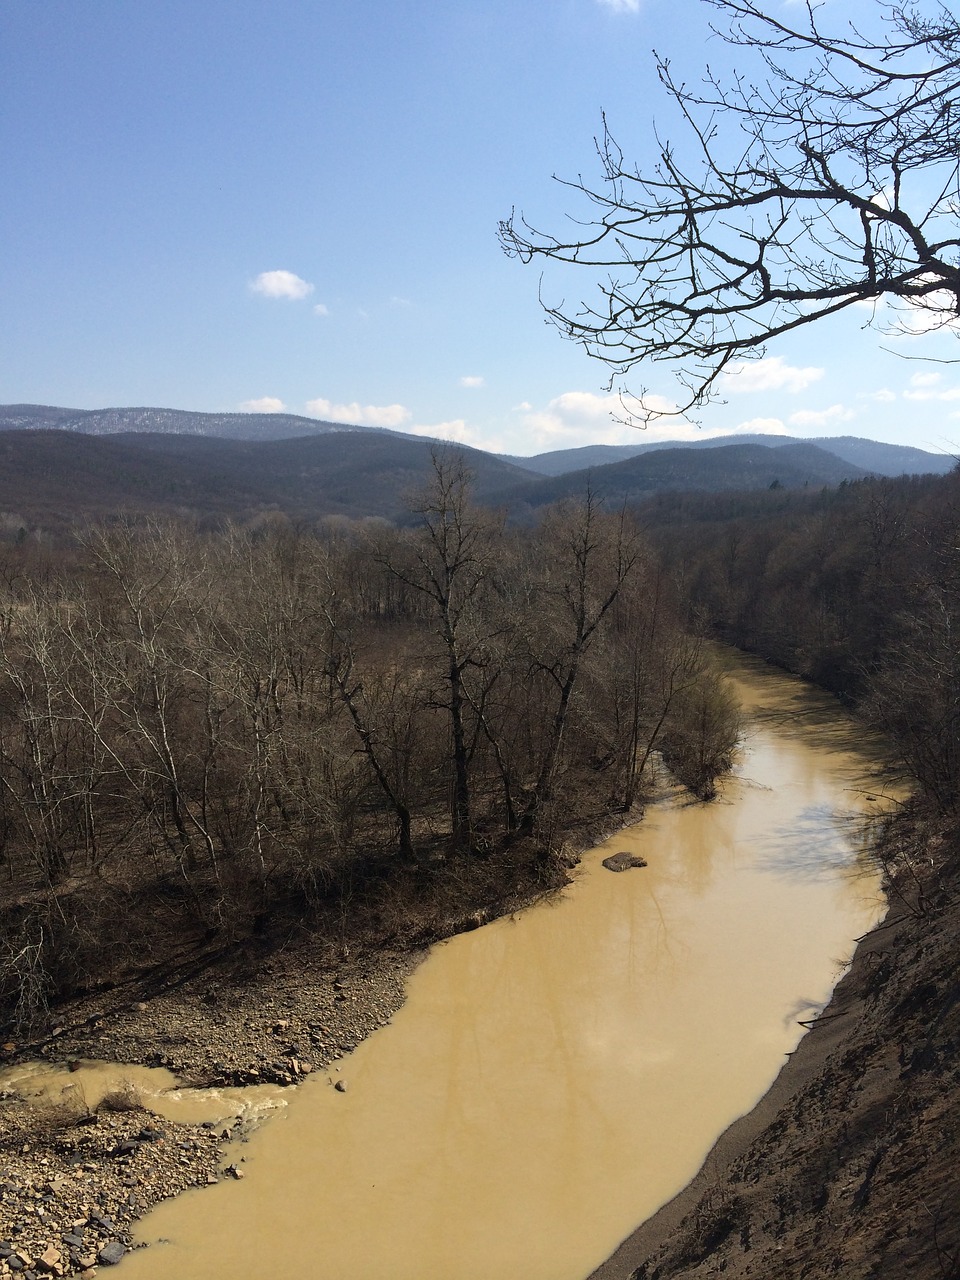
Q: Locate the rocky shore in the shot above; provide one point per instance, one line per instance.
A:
(75, 1178)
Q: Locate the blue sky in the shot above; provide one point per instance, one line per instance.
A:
(229, 204)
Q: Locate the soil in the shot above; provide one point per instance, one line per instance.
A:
(850, 1166)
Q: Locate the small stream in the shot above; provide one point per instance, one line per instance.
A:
(554, 1077)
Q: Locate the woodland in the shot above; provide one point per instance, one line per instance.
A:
(361, 733)
(370, 733)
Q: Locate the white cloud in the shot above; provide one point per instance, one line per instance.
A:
(266, 404)
(620, 6)
(918, 317)
(471, 380)
(582, 417)
(281, 284)
(932, 393)
(821, 417)
(457, 431)
(760, 427)
(361, 415)
(769, 374)
(321, 309)
(883, 396)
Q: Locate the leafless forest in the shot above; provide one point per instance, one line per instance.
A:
(354, 730)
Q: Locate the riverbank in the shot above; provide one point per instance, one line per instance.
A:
(850, 1165)
(77, 1174)
(74, 1179)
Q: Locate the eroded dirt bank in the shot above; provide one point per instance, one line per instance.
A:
(850, 1166)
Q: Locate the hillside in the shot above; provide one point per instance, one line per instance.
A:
(739, 466)
(111, 422)
(52, 477)
(879, 458)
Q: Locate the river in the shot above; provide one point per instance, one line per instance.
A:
(556, 1076)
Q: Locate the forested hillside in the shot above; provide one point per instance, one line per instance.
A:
(857, 588)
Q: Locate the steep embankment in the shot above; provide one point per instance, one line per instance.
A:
(850, 1166)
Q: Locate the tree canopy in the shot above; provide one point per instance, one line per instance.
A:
(823, 174)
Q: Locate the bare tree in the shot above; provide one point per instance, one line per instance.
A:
(832, 178)
(448, 562)
(586, 556)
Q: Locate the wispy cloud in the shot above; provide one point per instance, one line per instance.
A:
(916, 317)
(361, 415)
(471, 380)
(759, 427)
(266, 404)
(281, 284)
(927, 386)
(821, 417)
(881, 396)
(769, 374)
(583, 417)
(620, 6)
(321, 309)
(459, 432)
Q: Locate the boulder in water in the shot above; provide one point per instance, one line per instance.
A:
(624, 861)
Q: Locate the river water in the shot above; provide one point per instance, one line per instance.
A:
(556, 1076)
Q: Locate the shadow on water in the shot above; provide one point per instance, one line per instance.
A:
(816, 845)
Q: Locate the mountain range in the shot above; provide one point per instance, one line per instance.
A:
(58, 465)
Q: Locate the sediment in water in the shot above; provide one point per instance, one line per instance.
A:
(850, 1165)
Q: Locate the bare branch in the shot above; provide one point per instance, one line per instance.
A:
(832, 179)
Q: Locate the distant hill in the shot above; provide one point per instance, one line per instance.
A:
(110, 422)
(52, 478)
(872, 455)
(59, 465)
(731, 466)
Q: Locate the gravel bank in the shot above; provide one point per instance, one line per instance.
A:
(74, 1179)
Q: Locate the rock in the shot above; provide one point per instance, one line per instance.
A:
(341, 1086)
(623, 861)
(73, 1241)
(50, 1258)
(234, 1172)
(111, 1253)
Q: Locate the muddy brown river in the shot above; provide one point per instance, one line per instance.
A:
(555, 1077)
